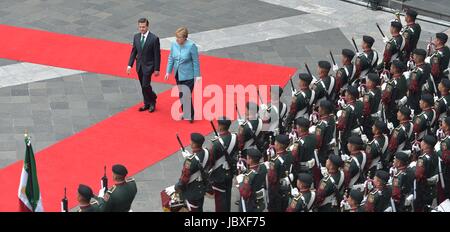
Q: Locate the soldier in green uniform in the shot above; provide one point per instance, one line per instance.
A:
(346, 74)
(302, 151)
(331, 186)
(439, 60)
(252, 184)
(192, 182)
(411, 33)
(349, 120)
(354, 201)
(355, 162)
(444, 155)
(304, 201)
(365, 61)
(379, 198)
(442, 105)
(325, 131)
(401, 137)
(223, 161)
(302, 100)
(402, 179)
(280, 166)
(420, 80)
(249, 132)
(394, 46)
(394, 93)
(324, 86)
(85, 195)
(372, 104)
(121, 195)
(376, 148)
(426, 175)
(425, 121)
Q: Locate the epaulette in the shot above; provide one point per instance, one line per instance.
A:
(129, 179)
(249, 172)
(297, 198)
(94, 202)
(190, 157)
(111, 190)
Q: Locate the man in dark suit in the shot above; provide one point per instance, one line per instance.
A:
(147, 54)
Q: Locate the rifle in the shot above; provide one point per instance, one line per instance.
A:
(292, 85)
(179, 142)
(332, 58)
(64, 203)
(354, 44)
(104, 180)
(309, 71)
(379, 29)
(262, 102)
(430, 44)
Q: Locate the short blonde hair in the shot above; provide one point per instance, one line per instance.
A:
(182, 32)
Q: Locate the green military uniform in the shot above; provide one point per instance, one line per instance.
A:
(375, 150)
(442, 106)
(423, 122)
(393, 50)
(349, 121)
(354, 168)
(365, 62)
(394, 91)
(85, 195)
(439, 62)
(301, 105)
(378, 200)
(192, 182)
(402, 185)
(249, 135)
(302, 152)
(345, 76)
(92, 207)
(119, 197)
(400, 140)
(411, 33)
(324, 89)
(280, 167)
(303, 202)
(371, 109)
(223, 156)
(426, 186)
(330, 191)
(419, 82)
(325, 132)
(252, 190)
(444, 155)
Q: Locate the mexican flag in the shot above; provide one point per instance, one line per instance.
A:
(29, 195)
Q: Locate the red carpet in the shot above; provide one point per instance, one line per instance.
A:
(134, 139)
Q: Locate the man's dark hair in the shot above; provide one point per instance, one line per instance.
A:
(143, 20)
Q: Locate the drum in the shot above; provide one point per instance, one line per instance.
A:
(171, 201)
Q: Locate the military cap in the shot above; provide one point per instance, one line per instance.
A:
(374, 78)
(357, 140)
(336, 160)
(446, 83)
(356, 195)
(224, 122)
(383, 175)
(398, 64)
(325, 64)
(119, 169)
(305, 77)
(85, 191)
(352, 90)
(197, 138)
(307, 179)
(430, 140)
(412, 13)
(428, 98)
(254, 153)
(402, 156)
(381, 126)
(405, 111)
(420, 52)
(442, 36)
(282, 139)
(396, 24)
(348, 53)
(302, 122)
(327, 105)
(368, 40)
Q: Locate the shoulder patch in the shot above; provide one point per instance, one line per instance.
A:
(130, 179)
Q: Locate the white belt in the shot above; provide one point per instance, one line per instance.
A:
(330, 199)
(221, 162)
(195, 176)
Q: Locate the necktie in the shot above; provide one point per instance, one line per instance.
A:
(142, 41)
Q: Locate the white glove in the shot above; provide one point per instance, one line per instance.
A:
(341, 103)
(293, 136)
(427, 60)
(310, 163)
(402, 101)
(440, 134)
(390, 126)
(392, 171)
(313, 118)
(294, 192)
(384, 77)
(335, 67)
(361, 89)
(411, 65)
(241, 166)
(101, 192)
(416, 148)
(263, 107)
(407, 74)
(293, 92)
(240, 178)
(364, 138)
(369, 185)
(324, 171)
(385, 40)
(271, 152)
(185, 153)
(241, 121)
(345, 205)
(409, 200)
(436, 98)
(345, 157)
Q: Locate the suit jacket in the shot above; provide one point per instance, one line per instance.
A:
(184, 60)
(147, 58)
